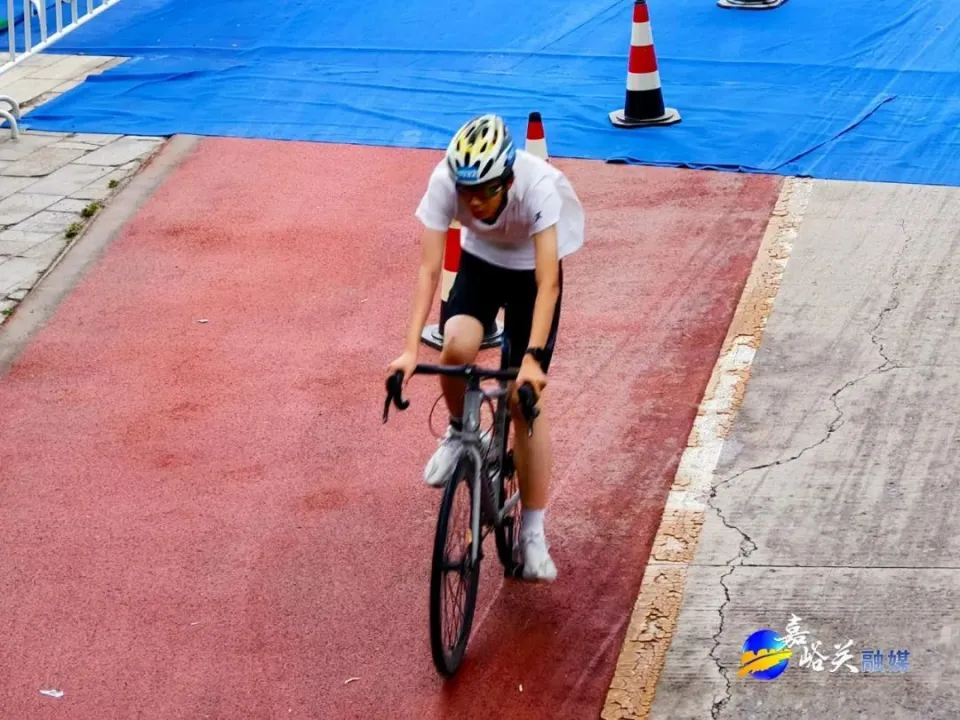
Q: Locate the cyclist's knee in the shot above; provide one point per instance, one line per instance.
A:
(462, 337)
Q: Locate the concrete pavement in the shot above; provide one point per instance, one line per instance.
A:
(44, 76)
(51, 184)
(833, 498)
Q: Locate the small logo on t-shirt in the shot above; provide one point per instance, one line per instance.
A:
(539, 214)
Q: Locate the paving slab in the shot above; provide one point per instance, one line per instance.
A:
(833, 493)
(27, 143)
(19, 72)
(100, 189)
(47, 250)
(68, 67)
(43, 162)
(70, 205)
(42, 77)
(15, 272)
(75, 258)
(26, 90)
(119, 152)
(72, 145)
(18, 242)
(70, 179)
(20, 206)
(91, 139)
(36, 211)
(38, 62)
(47, 179)
(48, 221)
(10, 185)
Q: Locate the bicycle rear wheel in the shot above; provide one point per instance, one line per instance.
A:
(505, 481)
(448, 640)
(508, 532)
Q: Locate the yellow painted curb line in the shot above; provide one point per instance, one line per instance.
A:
(657, 608)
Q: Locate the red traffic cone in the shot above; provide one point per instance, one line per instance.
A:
(432, 335)
(644, 104)
(536, 140)
(750, 4)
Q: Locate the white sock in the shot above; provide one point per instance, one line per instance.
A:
(531, 523)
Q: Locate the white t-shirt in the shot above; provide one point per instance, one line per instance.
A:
(541, 196)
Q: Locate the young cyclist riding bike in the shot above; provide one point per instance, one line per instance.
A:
(520, 217)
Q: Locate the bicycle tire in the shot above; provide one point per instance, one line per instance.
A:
(507, 534)
(448, 662)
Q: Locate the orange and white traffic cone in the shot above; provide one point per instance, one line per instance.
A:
(644, 103)
(750, 4)
(536, 140)
(432, 335)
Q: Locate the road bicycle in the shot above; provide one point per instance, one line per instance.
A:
(490, 479)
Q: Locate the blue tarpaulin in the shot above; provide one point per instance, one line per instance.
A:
(859, 89)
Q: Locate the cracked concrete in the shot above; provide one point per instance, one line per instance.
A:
(894, 301)
(655, 613)
(856, 387)
(747, 545)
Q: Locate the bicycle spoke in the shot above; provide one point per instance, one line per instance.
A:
(459, 592)
(450, 640)
(459, 534)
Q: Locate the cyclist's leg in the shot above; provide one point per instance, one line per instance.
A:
(462, 337)
(471, 306)
(532, 454)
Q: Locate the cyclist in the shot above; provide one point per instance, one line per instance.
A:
(520, 217)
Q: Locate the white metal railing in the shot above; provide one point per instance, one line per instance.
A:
(35, 29)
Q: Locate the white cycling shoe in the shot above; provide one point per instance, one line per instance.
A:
(537, 563)
(444, 460)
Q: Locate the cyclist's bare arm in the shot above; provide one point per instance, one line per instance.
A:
(431, 265)
(548, 285)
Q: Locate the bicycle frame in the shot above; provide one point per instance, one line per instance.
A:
(482, 497)
(482, 500)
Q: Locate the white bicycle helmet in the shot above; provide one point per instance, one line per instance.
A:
(481, 151)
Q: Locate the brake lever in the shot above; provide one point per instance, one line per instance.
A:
(528, 405)
(395, 394)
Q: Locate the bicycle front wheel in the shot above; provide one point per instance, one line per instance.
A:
(454, 577)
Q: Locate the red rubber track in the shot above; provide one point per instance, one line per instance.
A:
(208, 520)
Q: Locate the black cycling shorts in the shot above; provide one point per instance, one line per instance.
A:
(481, 289)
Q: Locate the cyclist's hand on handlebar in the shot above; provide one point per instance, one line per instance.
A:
(531, 372)
(406, 363)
